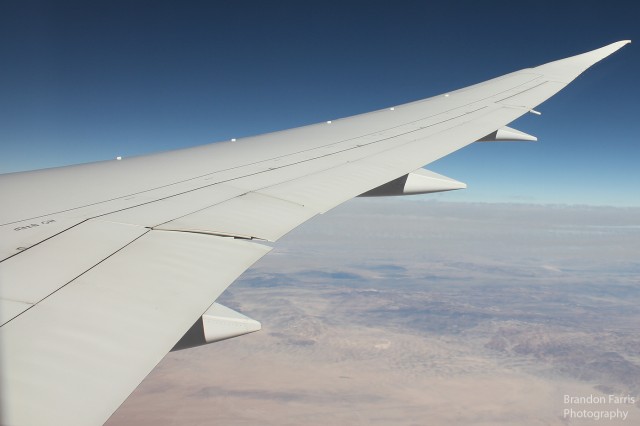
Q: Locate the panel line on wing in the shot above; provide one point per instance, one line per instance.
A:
(520, 93)
(102, 334)
(254, 215)
(464, 111)
(205, 232)
(38, 274)
(266, 161)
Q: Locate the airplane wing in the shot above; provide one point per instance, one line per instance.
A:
(104, 267)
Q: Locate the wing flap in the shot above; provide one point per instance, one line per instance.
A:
(252, 215)
(155, 213)
(74, 357)
(41, 270)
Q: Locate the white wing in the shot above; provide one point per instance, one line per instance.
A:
(105, 266)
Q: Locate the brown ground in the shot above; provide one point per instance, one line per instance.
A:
(421, 313)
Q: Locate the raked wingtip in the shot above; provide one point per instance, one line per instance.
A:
(617, 45)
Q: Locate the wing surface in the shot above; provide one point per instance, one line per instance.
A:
(105, 266)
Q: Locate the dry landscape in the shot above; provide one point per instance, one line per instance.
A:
(421, 313)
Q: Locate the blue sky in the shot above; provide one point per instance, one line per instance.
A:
(86, 81)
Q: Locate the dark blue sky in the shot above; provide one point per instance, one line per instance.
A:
(85, 81)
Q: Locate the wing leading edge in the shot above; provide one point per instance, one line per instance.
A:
(99, 280)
